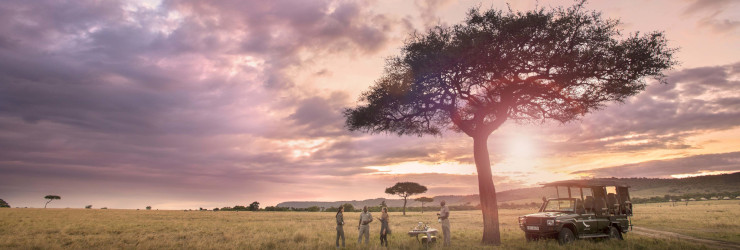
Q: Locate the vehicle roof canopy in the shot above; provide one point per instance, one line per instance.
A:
(585, 183)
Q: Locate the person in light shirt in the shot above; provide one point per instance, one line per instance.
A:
(443, 216)
(363, 227)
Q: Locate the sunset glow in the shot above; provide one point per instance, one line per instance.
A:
(425, 168)
(184, 104)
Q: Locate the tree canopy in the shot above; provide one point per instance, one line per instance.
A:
(554, 64)
(404, 190)
(423, 200)
(51, 197)
(540, 65)
(3, 203)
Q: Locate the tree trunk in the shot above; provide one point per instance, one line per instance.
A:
(422, 207)
(404, 206)
(47, 203)
(491, 233)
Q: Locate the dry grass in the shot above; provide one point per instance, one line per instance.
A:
(717, 220)
(83, 228)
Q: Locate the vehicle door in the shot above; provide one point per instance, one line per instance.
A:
(586, 222)
(584, 218)
(600, 209)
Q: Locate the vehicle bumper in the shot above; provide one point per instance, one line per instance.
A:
(542, 230)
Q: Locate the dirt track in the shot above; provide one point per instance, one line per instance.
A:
(669, 235)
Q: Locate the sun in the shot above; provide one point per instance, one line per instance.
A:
(521, 146)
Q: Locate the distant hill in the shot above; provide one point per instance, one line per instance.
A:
(640, 188)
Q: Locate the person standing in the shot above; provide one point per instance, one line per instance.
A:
(363, 227)
(340, 225)
(443, 216)
(384, 228)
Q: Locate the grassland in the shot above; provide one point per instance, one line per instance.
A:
(717, 220)
(85, 228)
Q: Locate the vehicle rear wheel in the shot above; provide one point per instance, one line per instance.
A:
(566, 236)
(614, 233)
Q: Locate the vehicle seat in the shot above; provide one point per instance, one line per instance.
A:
(628, 208)
(589, 204)
(600, 206)
(579, 207)
(612, 203)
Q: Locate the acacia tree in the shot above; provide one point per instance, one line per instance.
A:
(423, 200)
(546, 64)
(3, 203)
(404, 190)
(51, 197)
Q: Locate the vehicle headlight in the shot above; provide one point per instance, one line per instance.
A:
(550, 222)
(521, 220)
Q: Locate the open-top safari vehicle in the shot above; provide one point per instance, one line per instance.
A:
(592, 209)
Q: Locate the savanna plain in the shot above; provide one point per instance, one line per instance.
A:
(28, 228)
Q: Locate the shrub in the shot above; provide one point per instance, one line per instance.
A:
(3, 203)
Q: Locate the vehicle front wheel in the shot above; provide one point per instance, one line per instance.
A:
(566, 236)
(530, 237)
(614, 233)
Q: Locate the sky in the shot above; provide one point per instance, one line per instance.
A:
(183, 104)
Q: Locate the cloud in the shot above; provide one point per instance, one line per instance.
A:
(695, 101)
(713, 15)
(187, 93)
(428, 11)
(281, 31)
(223, 101)
(665, 168)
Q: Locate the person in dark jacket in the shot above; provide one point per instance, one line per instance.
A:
(384, 227)
(340, 225)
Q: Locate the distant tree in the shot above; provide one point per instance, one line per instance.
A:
(88, 207)
(148, 207)
(104, 208)
(404, 190)
(313, 209)
(382, 204)
(3, 203)
(274, 208)
(348, 207)
(215, 209)
(555, 64)
(254, 206)
(51, 197)
(423, 200)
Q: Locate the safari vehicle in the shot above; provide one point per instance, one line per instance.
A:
(603, 210)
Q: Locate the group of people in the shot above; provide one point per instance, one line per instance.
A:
(364, 225)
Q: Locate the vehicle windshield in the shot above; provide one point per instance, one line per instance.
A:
(560, 206)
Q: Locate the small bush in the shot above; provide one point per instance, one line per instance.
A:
(3, 203)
